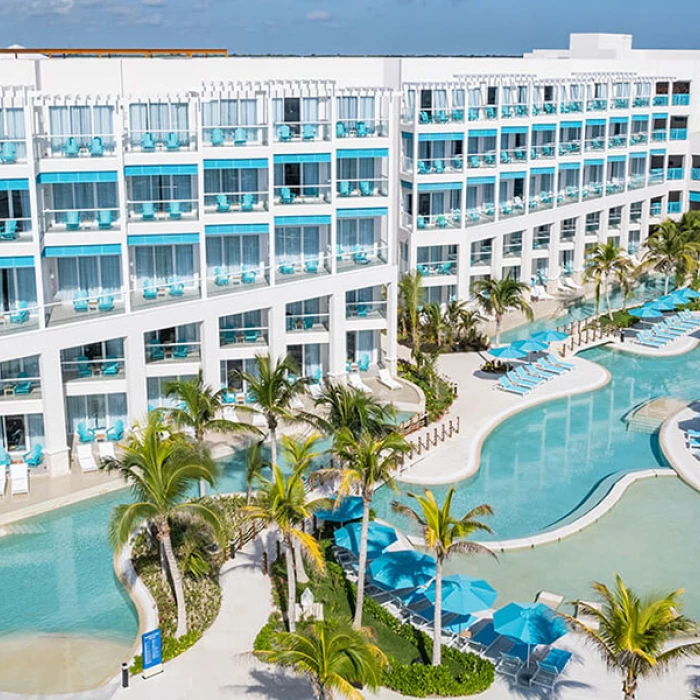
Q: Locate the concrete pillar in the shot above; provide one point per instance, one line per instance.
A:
(390, 347)
(55, 444)
(337, 346)
(209, 335)
(277, 320)
(463, 270)
(135, 363)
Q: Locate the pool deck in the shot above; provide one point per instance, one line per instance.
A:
(675, 447)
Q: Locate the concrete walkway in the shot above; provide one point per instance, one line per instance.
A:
(674, 444)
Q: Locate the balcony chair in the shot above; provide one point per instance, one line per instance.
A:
(220, 279)
(222, 203)
(423, 168)
(366, 188)
(491, 113)
(311, 266)
(8, 153)
(441, 116)
(9, 232)
(150, 291)
(490, 159)
(489, 209)
(247, 202)
(473, 114)
(105, 303)
(148, 211)
(110, 368)
(361, 130)
(439, 166)
(505, 157)
(344, 189)
(83, 365)
(287, 195)
(177, 289)
(21, 313)
(363, 364)
(104, 219)
(442, 221)
(156, 353)
(172, 142)
(520, 154)
(521, 110)
(35, 456)
(72, 220)
(457, 163)
(116, 431)
(181, 350)
(248, 277)
(240, 137)
(548, 151)
(284, 133)
(23, 388)
(251, 336)
(424, 117)
(85, 434)
(423, 269)
(80, 301)
(71, 148)
(360, 258)
(174, 210)
(474, 162)
(217, 137)
(421, 222)
(362, 310)
(148, 143)
(287, 268)
(308, 132)
(308, 323)
(341, 130)
(96, 147)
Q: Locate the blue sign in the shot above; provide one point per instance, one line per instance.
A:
(152, 649)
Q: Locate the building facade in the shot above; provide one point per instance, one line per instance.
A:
(165, 215)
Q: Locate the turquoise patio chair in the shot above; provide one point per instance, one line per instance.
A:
(80, 301)
(148, 143)
(251, 336)
(174, 210)
(105, 303)
(287, 195)
(363, 364)
(439, 166)
(240, 137)
(116, 431)
(287, 269)
(72, 220)
(104, 219)
(248, 276)
(344, 188)
(222, 203)
(5, 459)
(457, 115)
(284, 133)
(441, 116)
(150, 291)
(341, 130)
(217, 137)
(148, 211)
(423, 168)
(421, 222)
(177, 289)
(360, 258)
(8, 153)
(85, 434)
(474, 162)
(366, 189)
(71, 148)
(247, 202)
(9, 232)
(361, 129)
(442, 221)
(424, 117)
(110, 368)
(362, 310)
(181, 350)
(23, 388)
(172, 142)
(490, 159)
(35, 456)
(457, 163)
(308, 133)
(96, 147)
(220, 279)
(156, 352)
(311, 266)
(83, 365)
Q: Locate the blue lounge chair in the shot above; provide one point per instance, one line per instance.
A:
(110, 368)
(363, 364)
(550, 668)
(457, 163)
(5, 459)
(362, 310)
(521, 378)
(311, 266)
(547, 366)
(220, 279)
(96, 147)
(360, 258)
(287, 269)
(155, 351)
(222, 203)
(361, 129)
(240, 137)
(9, 232)
(104, 219)
(424, 117)
(442, 221)
(80, 301)
(308, 133)
(474, 162)
(105, 303)
(512, 662)
(148, 142)
(439, 166)
(366, 189)
(150, 291)
(172, 142)
(148, 211)
(534, 370)
(485, 637)
(71, 148)
(490, 159)
(83, 365)
(344, 188)
(287, 195)
(284, 133)
(116, 431)
(341, 131)
(559, 363)
(177, 289)
(35, 456)
(8, 153)
(507, 385)
(72, 220)
(174, 210)
(421, 222)
(251, 336)
(441, 116)
(23, 388)
(85, 434)
(247, 202)
(181, 350)
(423, 168)
(248, 276)
(217, 137)
(457, 115)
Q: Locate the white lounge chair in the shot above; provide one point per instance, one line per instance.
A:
(296, 403)
(568, 282)
(106, 450)
(551, 600)
(19, 478)
(315, 390)
(229, 413)
(388, 381)
(3, 479)
(586, 618)
(356, 383)
(86, 459)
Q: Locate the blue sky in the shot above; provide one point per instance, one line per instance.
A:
(343, 26)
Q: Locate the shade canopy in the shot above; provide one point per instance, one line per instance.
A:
(646, 311)
(666, 303)
(686, 294)
(345, 510)
(531, 345)
(379, 537)
(460, 594)
(530, 623)
(549, 336)
(400, 570)
(507, 352)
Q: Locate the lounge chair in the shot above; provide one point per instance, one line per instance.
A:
(586, 618)
(341, 131)
(547, 366)
(148, 143)
(9, 232)
(287, 196)
(116, 432)
(24, 387)
(248, 276)
(222, 203)
(71, 148)
(361, 130)
(388, 381)
(247, 202)
(172, 142)
(148, 211)
(559, 363)
(83, 367)
(19, 478)
(8, 153)
(521, 377)
(308, 132)
(240, 137)
(344, 189)
(284, 133)
(105, 450)
(535, 370)
(645, 339)
(35, 456)
(547, 370)
(366, 189)
(177, 289)
(483, 639)
(551, 600)
(311, 266)
(181, 350)
(356, 383)
(360, 258)
(105, 303)
(110, 368)
(174, 210)
(550, 668)
(511, 662)
(217, 137)
(3, 477)
(96, 147)
(506, 385)
(86, 459)
(150, 291)
(85, 434)
(5, 459)
(80, 302)
(104, 219)
(72, 220)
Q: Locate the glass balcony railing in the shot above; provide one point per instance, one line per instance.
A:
(656, 176)
(12, 151)
(655, 209)
(482, 214)
(452, 219)
(20, 387)
(511, 207)
(660, 100)
(483, 257)
(544, 151)
(615, 185)
(288, 267)
(234, 135)
(597, 105)
(636, 181)
(674, 174)
(377, 187)
(225, 279)
(595, 144)
(441, 115)
(489, 112)
(76, 145)
(568, 194)
(440, 166)
(570, 148)
(571, 107)
(350, 258)
(444, 267)
(675, 207)
(680, 100)
(161, 140)
(226, 202)
(15, 230)
(641, 102)
(147, 292)
(639, 137)
(303, 194)
(363, 128)
(365, 309)
(513, 155)
(513, 111)
(543, 108)
(307, 322)
(180, 351)
(695, 174)
(482, 160)
(76, 305)
(302, 131)
(246, 335)
(659, 135)
(593, 189)
(83, 367)
(163, 210)
(619, 141)
(60, 220)
(678, 134)
(620, 103)
(543, 200)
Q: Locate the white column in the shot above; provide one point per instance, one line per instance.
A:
(337, 346)
(55, 444)
(276, 317)
(391, 327)
(463, 270)
(135, 363)
(209, 336)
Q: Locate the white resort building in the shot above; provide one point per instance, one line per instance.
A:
(166, 212)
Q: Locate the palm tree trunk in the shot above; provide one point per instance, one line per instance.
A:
(629, 685)
(273, 445)
(291, 584)
(607, 299)
(175, 578)
(362, 565)
(437, 620)
(499, 320)
(299, 564)
(199, 437)
(666, 282)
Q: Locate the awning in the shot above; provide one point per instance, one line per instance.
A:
(361, 213)
(236, 164)
(163, 239)
(81, 251)
(86, 176)
(303, 158)
(151, 170)
(235, 229)
(302, 221)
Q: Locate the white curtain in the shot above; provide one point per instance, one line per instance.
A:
(458, 98)
(474, 97)
(103, 121)
(59, 125)
(310, 110)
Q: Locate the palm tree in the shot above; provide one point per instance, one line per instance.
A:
(254, 464)
(345, 407)
(334, 657)
(283, 502)
(161, 470)
(607, 261)
(668, 251)
(411, 295)
(445, 535)
(274, 391)
(199, 411)
(367, 461)
(634, 633)
(433, 325)
(495, 297)
(462, 324)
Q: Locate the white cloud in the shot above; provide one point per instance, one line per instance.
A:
(132, 15)
(318, 16)
(37, 7)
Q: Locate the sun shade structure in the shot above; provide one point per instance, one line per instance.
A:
(379, 537)
(549, 336)
(646, 311)
(685, 295)
(460, 594)
(507, 352)
(530, 345)
(665, 303)
(346, 510)
(400, 570)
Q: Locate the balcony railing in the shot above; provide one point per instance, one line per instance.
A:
(543, 200)
(516, 110)
(513, 155)
(636, 181)
(570, 148)
(593, 189)
(656, 176)
(56, 220)
(225, 202)
(482, 214)
(13, 151)
(635, 215)
(655, 209)
(307, 322)
(513, 250)
(161, 140)
(695, 174)
(439, 166)
(544, 151)
(641, 102)
(568, 194)
(479, 160)
(595, 144)
(244, 135)
(76, 145)
(229, 279)
(682, 100)
(659, 135)
(483, 257)
(288, 267)
(675, 207)
(147, 291)
(568, 234)
(363, 128)
(302, 131)
(444, 267)
(75, 305)
(660, 100)
(639, 137)
(615, 185)
(488, 112)
(84, 367)
(361, 256)
(246, 335)
(541, 241)
(377, 187)
(620, 103)
(20, 387)
(674, 174)
(303, 194)
(619, 141)
(181, 351)
(544, 108)
(511, 207)
(441, 116)
(592, 229)
(597, 105)
(572, 107)
(678, 134)
(451, 219)
(365, 309)
(15, 230)
(163, 210)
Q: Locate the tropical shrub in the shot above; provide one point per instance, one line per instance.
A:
(439, 395)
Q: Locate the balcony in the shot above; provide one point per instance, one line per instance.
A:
(365, 309)
(695, 174)
(358, 256)
(512, 155)
(440, 166)
(641, 102)
(446, 220)
(639, 137)
(85, 368)
(675, 207)
(597, 105)
(141, 141)
(542, 201)
(656, 175)
(240, 336)
(620, 103)
(223, 279)
(304, 131)
(619, 141)
(12, 151)
(489, 112)
(660, 100)
(21, 386)
(72, 304)
(615, 185)
(572, 107)
(163, 210)
(678, 134)
(290, 267)
(227, 202)
(544, 108)
(570, 148)
(441, 116)
(235, 135)
(544, 151)
(682, 100)
(636, 181)
(515, 110)
(365, 128)
(674, 174)
(659, 135)
(66, 220)
(180, 351)
(300, 323)
(481, 258)
(72, 146)
(147, 292)
(593, 189)
(437, 268)
(377, 187)
(478, 160)
(655, 209)
(17, 230)
(511, 207)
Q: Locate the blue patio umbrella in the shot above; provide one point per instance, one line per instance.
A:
(460, 594)
(349, 508)
(646, 311)
(403, 569)
(379, 537)
(686, 294)
(665, 304)
(549, 336)
(529, 623)
(531, 345)
(507, 352)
